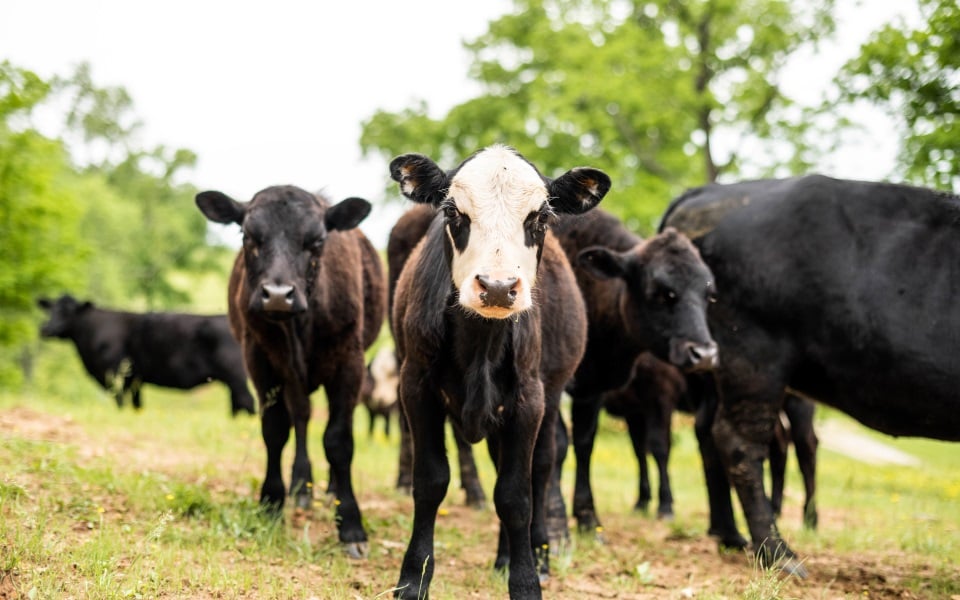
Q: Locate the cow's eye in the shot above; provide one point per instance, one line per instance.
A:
(450, 212)
(711, 298)
(250, 241)
(666, 296)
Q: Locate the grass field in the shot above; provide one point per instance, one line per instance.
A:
(97, 502)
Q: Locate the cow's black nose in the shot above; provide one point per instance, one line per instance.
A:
(277, 298)
(702, 357)
(497, 292)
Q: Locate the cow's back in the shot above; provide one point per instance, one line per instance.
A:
(374, 290)
(856, 280)
(562, 313)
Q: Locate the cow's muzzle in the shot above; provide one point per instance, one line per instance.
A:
(694, 356)
(280, 300)
(497, 292)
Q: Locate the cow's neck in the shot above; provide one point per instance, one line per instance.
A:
(483, 355)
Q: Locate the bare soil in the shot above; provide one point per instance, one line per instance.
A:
(641, 558)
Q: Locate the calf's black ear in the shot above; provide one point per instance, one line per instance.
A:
(45, 303)
(578, 190)
(346, 214)
(221, 208)
(601, 262)
(420, 178)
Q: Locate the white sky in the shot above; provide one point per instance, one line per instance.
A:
(274, 92)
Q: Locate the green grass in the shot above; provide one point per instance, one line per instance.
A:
(97, 502)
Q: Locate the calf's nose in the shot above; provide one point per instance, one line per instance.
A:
(497, 292)
(702, 357)
(277, 297)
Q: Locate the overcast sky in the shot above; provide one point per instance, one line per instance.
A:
(274, 92)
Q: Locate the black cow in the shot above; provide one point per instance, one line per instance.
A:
(843, 291)
(489, 328)
(404, 236)
(124, 350)
(642, 296)
(306, 296)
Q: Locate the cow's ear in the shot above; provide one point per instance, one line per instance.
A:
(221, 208)
(420, 178)
(346, 214)
(601, 262)
(84, 306)
(45, 303)
(578, 190)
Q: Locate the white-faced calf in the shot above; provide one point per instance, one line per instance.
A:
(489, 328)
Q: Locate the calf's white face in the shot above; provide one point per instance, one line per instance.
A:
(491, 200)
(496, 208)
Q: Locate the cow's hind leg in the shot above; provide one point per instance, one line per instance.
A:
(800, 414)
(585, 415)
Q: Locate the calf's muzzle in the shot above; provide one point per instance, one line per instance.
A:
(279, 298)
(497, 292)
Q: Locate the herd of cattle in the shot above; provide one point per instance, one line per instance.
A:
(505, 288)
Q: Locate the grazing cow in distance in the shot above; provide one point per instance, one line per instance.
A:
(379, 393)
(404, 236)
(489, 327)
(124, 350)
(843, 291)
(306, 297)
(641, 296)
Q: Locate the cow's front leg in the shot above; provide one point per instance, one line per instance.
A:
(742, 430)
(431, 476)
(301, 477)
(343, 396)
(275, 428)
(585, 413)
(722, 524)
(513, 494)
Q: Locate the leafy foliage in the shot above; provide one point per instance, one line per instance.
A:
(113, 229)
(640, 89)
(915, 75)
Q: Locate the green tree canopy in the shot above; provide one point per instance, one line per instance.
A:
(914, 74)
(640, 89)
(112, 227)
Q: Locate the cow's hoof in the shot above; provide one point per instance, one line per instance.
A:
(792, 566)
(405, 490)
(304, 502)
(665, 515)
(596, 531)
(356, 550)
(729, 541)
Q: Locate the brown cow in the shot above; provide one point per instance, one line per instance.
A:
(307, 295)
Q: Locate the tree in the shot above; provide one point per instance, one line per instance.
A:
(914, 74)
(41, 249)
(641, 89)
(88, 212)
